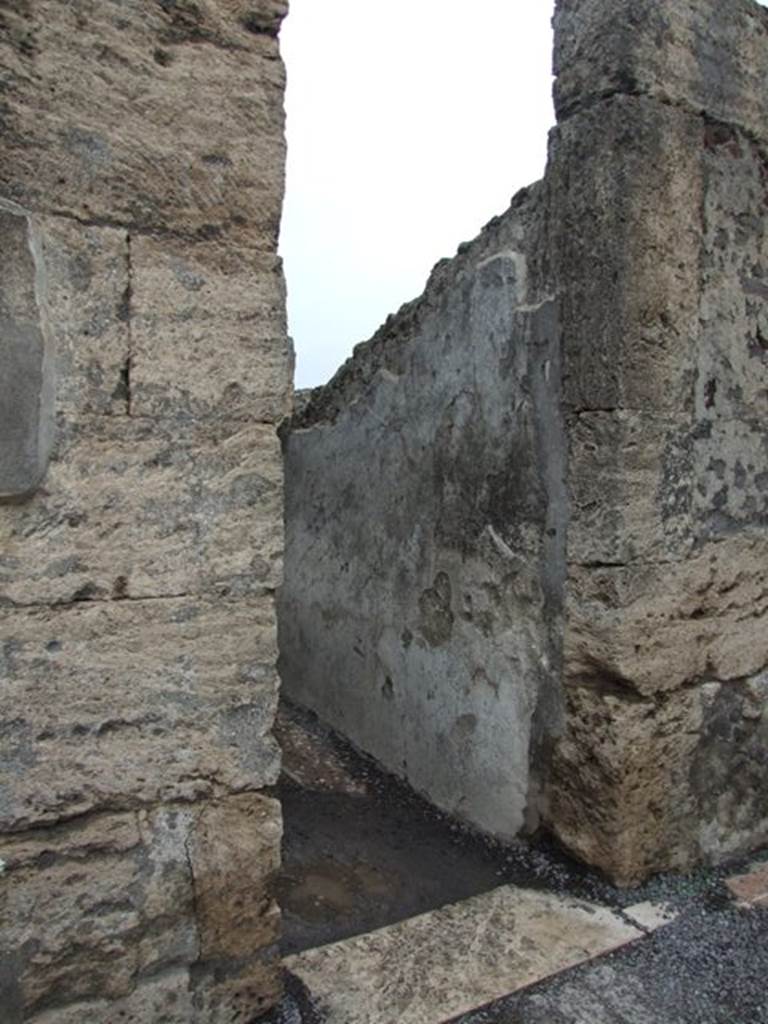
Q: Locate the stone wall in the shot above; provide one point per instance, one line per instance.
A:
(142, 321)
(421, 614)
(527, 524)
(660, 164)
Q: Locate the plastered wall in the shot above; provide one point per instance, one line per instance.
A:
(422, 608)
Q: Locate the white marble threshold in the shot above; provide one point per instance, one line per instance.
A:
(431, 968)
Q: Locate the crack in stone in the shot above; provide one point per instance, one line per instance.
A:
(127, 312)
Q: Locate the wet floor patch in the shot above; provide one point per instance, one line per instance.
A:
(361, 850)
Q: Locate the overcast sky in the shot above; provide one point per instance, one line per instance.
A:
(410, 124)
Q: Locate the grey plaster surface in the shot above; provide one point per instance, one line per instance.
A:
(26, 382)
(425, 532)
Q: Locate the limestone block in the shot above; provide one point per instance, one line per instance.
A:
(630, 268)
(631, 484)
(234, 917)
(639, 786)
(732, 350)
(707, 55)
(26, 384)
(208, 332)
(88, 286)
(175, 997)
(244, 995)
(104, 906)
(134, 508)
(729, 774)
(73, 910)
(167, 998)
(130, 702)
(730, 467)
(617, 793)
(118, 98)
(653, 628)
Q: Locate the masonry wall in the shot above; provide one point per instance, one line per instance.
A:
(145, 366)
(606, 673)
(421, 614)
(660, 163)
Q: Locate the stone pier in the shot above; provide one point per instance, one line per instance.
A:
(145, 367)
(527, 523)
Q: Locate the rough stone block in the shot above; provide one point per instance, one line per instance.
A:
(81, 887)
(654, 628)
(644, 785)
(141, 177)
(26, 384)
(233, 918)
(121, 703)
(118, 98)
(135, 509)
(88, 287)
(106, 908)
(732, 348)
(167, 998)
(208, 332)
(730, 470)
(629, 309)
(617, 792)
(631, 483)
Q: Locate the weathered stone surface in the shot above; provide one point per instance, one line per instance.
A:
(99, 907)
(649, 784)
(252, 990)
(167, 998)
(630, 496)
(417, 971)
(627, 268)
(131, 702)
(424, 503)
(88, 286)
(706, 55)
(163, 116)
(140, 508)
(230, 837)
(175, 997)
(208, 332)
(141, 180)
(667, 580)
(619, 470)
(660, 627)
(26, 387)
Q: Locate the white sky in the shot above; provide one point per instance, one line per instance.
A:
(410, 124)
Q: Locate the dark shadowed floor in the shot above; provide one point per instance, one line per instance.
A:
(362, 851)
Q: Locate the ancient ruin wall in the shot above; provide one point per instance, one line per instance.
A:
(438, 650)
(424, 509)
(660, 166)
(145, 366)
